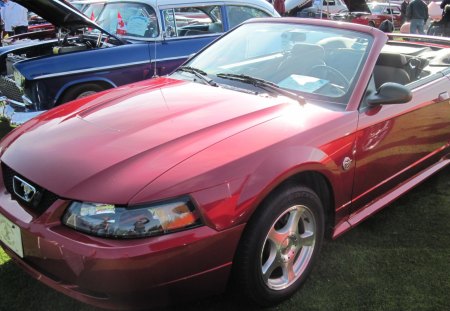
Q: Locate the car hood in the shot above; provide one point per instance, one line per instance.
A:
(358, 6)
(126, 138)
(291, 4)
(60, 13)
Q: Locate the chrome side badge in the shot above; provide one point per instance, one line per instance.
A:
(347, 163)
(23, 189)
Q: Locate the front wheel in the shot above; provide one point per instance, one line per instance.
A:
(280, 246)
(80, 91)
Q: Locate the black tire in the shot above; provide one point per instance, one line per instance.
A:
(80, 91)
(264, 246)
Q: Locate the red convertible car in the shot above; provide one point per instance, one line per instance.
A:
(233, 168)
(375, 15)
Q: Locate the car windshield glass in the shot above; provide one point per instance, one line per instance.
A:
(93, 10)
(135, 20)
(323, 61)
(375, 9)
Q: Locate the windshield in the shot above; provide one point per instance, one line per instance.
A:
(93, 10)
(127, 19)
(375, 9)
(306, 59)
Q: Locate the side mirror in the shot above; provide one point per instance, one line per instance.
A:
(390, 93)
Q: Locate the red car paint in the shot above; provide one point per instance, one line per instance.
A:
(227, 150)
(379, 14)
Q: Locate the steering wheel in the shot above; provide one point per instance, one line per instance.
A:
(331, 74)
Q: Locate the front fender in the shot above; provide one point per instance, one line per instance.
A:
(82, 62)
(236, 198)
(289, 162)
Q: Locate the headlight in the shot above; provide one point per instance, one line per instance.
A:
(112, 221)
(19, 79)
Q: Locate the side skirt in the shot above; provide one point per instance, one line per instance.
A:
(388, 198)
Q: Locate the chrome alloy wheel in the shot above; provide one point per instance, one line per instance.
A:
(288, 247)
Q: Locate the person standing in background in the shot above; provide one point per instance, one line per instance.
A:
(417, 14)
(443, 4)
(403, 8)
(15, 18)
(2, 4)
(279, 7)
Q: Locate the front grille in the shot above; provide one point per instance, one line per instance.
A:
(9, 88)
(38, 205)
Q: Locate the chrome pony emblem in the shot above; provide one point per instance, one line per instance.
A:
(347, 163)
(23, 189)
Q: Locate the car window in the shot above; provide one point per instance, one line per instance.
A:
(329, 2)
(238, 14)
(395, 11)
(129, 20)
(302, 58)
(78, 6)
(192, 21)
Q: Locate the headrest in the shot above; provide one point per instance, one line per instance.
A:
(392, 60)
(308, 48)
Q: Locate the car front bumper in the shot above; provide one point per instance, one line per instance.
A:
(15, 113)
(117, 274)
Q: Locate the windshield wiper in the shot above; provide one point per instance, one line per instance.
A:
(264, 84)
(199, 74)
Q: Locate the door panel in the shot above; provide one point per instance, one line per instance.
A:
(395, 142)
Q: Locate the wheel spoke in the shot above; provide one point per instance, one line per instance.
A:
(307, 238)
(288, 272)
(277, 236)
(271, 263)
(294, 218)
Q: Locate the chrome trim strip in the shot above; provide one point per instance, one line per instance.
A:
(52, 75)
(5, 99)
(27, 101)
(167, 58)
(8, 77)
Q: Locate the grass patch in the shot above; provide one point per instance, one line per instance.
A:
(396, 260)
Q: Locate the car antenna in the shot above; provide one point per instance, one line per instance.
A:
(155, 73)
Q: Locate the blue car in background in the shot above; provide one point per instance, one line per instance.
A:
(128, 42)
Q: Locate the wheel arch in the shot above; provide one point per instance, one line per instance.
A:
(299, 165)
(316, 181)
(105, 83)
